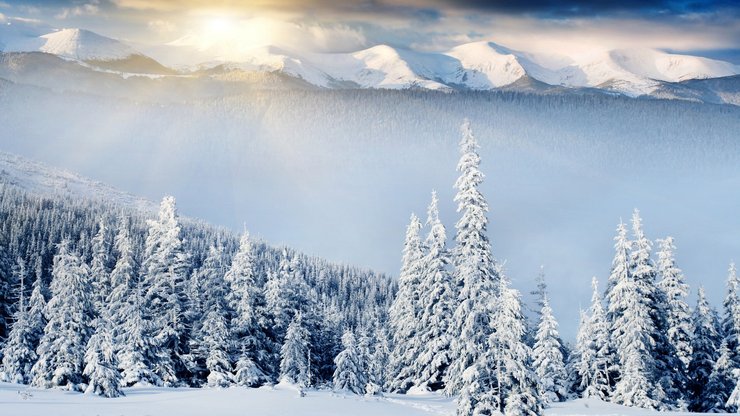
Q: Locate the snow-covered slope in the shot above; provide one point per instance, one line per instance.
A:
(85, 46)
(43, 180)
(265, 401)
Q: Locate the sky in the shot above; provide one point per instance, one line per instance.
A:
(704, 27)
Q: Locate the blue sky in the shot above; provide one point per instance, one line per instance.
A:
(709, 28)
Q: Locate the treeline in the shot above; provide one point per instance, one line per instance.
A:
(96, 297)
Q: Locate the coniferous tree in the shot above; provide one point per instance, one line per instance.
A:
(101, 365)
(548, 360)
(69, 312)
(349, 375)
(379, 362)
(216, 340)
(597, 358)
(731, 317)
(164, 272)
(100, 267)
(404, 311)
(437, 297)
(704, 347)
(633, 328)
(18, 353)
(721, 383)
(678, 314)
(294, 355)
(132, 342)
(501, 379)
(244, 299)
(475, 275)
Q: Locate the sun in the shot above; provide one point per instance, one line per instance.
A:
(219, 26)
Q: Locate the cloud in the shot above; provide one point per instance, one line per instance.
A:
(2, 18)
(88, 9)
(161, 26)
(533, 7)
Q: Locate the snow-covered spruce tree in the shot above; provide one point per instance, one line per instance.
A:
(131, 342)
(243, 299)
(294, 355)
(437, 299)
(731, 317)
(598, 358)
(379, 361)
(349, 375)
(721, 383)
(100, 267)
(101, 364)
(18, 353)
(475, 276)
(548, 360)
(69, 313)
(123, 279)
(216, 340)
(501, 379)
(678, 314)
(633, 327)
(578, 365)
(403, 313)
(164, 272)
(667, 367)
(704, 347)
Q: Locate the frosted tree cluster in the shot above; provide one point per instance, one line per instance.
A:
(115, 298)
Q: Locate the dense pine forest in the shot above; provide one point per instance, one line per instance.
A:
(98, 297)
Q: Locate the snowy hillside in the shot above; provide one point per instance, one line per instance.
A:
(471, 66)
(40, 179)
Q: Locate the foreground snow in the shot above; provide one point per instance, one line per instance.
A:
(278, 400)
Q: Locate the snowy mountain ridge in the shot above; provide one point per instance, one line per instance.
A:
(40, 179)
(477, 66)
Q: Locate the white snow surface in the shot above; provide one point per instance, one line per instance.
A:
(85, 45)
(278, 400)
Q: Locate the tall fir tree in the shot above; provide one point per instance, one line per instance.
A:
(475, 273)
(548, 360)
(633, 328)
(404, 310)
(164, 272)
(101, 364)
(437, 300)
(18, 353)
(69, 314)
(721, 383)
(349, 375)
(501, 379)
(731, 317)
(244, 299)
(598, 360)
(100, 267)
(295, 355)
(704, 347)
(678, 313)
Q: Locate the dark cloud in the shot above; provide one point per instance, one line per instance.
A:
(554, 8)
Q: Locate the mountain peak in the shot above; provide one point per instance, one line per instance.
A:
(85, 45)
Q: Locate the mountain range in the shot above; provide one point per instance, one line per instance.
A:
(478, 66)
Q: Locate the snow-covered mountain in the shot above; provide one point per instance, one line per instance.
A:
(39, 179)
(472, 66)
(85, 46)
